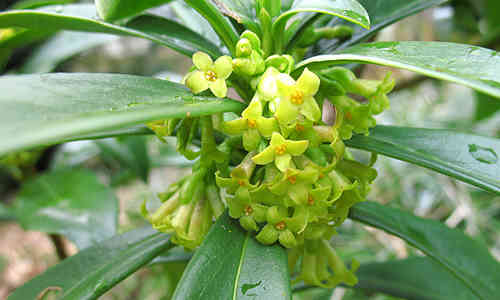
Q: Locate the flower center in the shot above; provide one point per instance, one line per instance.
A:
(248, 210)
(281, 225)
(210, 76)
(292, 179)
(321, 175)
(251, 123)
(348, 115)
(310, 200)
(297, 97)
(281, 149)
(241, 182)
(299, 127)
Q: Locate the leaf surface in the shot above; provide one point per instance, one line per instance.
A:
(466, 259)
(69, 202)
(64, 106)
(90, 273)
(472, 66)
(467, 157)
(111, 10)
(231, 264)
(82, 17)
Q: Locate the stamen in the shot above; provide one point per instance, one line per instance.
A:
(292, 179)
(251, 123)
(281, 149)
(241, 182)
(281, 225)
(310, 200)
(248, 210)
(299, 127)
(297, 97)
(210, 76)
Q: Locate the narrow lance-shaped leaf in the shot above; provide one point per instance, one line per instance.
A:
(27, 4)
(349, 10)
(382, 14)
(61, 47)
(231, 264)
(471, 66)
(82, 17)
(92, 272)
(111, 10)
(243, 12)
(219, 23)
(465, 258)
(470, 158)
(415, 278)
(47, 109)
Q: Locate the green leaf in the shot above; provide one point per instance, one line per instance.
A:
(69, 202)
(472, 66)
(465, 258)
(130, 152)
(414, 278)
(92, 272)
(219, 23)
(470, 158)
(27, 4)
(486, 107)
(111, 10)
(81, 17)
(349, 10)
(231, 264)
(382, 14)
(242, 11)
(5, 212)
(64, 106)
(61, 47)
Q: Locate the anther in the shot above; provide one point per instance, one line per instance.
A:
(281, 149)
(210, 76)
(281, 225)
(251, 123)
(297, 97)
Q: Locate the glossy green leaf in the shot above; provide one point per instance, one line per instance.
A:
(472, 66)
(27, 4)
(382, 14)
(231, 264)
(194, 21)
(486, 107)
(414, 278)
(69, 202)
(92, 272)
(466, 259)
(81, 17)
(111, 10)
(61, 47)
(219, 23)
(64, 106)
(242, 11)
(470, 158)
(130, 152)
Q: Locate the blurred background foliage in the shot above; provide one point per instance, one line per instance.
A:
(137, 167)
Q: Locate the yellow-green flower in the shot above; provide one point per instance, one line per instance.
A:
(298, 97)
(280, 151)
(209, 75)
(282, 227)
(252, 124)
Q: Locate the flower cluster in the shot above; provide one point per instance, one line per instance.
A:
(293, 180)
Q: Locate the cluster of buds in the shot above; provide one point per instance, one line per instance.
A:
(294, 181)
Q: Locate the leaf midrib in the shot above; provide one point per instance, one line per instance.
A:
(238, 272)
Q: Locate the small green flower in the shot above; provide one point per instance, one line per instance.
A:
(282, 227)
(249, 59)
(252, 124)
(296, 184)
(280, 151)
(210, 75)
(298, 97)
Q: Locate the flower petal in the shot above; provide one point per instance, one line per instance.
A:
(253, 111)
(308, 83)
(267, 126)
(287, 112)
(218, 88)
(283, 162)
(265, 157)
(296, 147)
(251, 139)
(223, 67)
(197, 82)
(268, 235)
(202, 61)
(234, 127)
